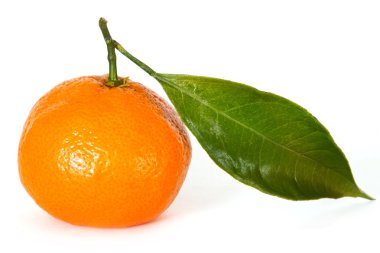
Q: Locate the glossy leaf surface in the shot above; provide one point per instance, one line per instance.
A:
(262, 139)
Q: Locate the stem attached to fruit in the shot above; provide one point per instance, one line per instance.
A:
(112, 76)
(113, 80)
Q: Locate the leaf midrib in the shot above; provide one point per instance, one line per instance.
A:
(161, 78)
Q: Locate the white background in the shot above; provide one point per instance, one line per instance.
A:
(324, 55)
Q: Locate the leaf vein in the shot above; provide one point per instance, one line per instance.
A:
(195, 97)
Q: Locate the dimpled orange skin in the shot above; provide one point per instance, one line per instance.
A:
(104, 157)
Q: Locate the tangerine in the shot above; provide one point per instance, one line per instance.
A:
(103, 156)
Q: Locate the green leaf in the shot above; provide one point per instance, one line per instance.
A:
(262, 139)
(259, 138)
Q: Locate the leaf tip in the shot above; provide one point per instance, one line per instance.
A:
(365, 195)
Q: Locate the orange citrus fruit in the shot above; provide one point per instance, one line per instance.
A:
(103, 156)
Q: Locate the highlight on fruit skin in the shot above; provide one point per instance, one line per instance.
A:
(103, 156)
